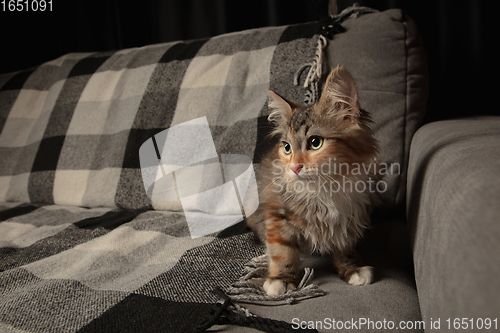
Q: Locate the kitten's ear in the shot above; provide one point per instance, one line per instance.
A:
(339, 96)
(282, 108)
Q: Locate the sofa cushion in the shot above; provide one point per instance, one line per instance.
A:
(385, 55)
(453, 210)
(391, 298)
(71, 129)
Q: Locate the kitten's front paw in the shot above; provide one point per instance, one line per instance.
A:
(362, 276)
(275, 287)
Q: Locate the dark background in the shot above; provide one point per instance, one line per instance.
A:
(458, 35)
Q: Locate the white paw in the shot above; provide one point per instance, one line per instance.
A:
(362, 276)
(275, 287)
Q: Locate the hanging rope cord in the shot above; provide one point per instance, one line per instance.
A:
(330, 26)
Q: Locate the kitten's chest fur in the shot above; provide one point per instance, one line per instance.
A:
(326, 220)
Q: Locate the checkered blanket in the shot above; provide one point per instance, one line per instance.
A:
(82, 247)
(71, 129)
(67, 269)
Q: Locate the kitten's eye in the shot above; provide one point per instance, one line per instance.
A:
(287, 149)
(315, 142)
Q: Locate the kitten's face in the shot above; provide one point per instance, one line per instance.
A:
(302, 153)
(334, 130)
(304, 147)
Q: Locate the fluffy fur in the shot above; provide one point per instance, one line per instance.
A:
(310, 198)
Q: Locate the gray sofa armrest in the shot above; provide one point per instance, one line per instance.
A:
(453, 201)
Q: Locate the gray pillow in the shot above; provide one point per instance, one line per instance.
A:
(385, 55)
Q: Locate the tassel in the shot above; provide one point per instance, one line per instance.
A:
(314, 73)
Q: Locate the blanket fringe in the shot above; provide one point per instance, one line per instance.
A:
(331, 26)
(314, 74)
(248, 289)
(230, 313)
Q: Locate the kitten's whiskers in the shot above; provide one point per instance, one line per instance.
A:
(271, 183)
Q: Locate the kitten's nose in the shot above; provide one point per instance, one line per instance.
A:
(296, 168)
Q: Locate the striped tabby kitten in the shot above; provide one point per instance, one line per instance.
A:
(310, 197)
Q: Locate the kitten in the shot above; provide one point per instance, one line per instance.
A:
(310, 198)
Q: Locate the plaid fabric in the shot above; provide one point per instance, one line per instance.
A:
(71, 128)
(70, 132)
(68, 269)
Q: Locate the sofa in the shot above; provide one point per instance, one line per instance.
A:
(88, 244)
